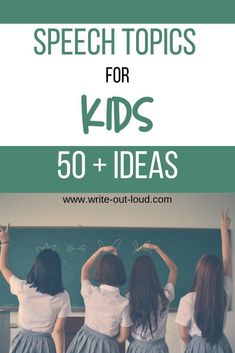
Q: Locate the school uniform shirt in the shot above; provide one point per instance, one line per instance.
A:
(37, 311)
(137, 333)
(105, 308)
(185, 313)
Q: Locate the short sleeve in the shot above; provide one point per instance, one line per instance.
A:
(183, 316)
(87, 288)
(126, 319)
(170, 292)
(228, 287)
(16, 285)
(65, 308)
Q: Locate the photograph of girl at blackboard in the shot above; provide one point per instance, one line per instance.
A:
(43, 302)
(202, 313)
(107, 318)
(151, 313)
(149, 302)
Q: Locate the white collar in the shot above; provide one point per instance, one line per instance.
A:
(110, 288)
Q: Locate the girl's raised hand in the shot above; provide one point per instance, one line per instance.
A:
(4, 233)
(109, 249)
(148, 246)
(225, 220)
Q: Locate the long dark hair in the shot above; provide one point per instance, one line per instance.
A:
(46, 274)
(210, 297)
(145, 291)
(110, 270)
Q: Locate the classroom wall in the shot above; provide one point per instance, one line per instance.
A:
(186, 210)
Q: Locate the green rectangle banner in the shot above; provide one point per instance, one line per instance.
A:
(150, 11)
(117, 169)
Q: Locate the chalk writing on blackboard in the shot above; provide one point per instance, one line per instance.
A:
(137, 246)
(116, 244)
(71, 248)
(100, 243)
(46, 246)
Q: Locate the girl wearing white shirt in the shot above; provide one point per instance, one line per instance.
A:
(149, 303)
(107, 318)
(202, 313)
(43, 302)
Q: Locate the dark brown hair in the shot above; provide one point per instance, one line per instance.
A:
(110, 270)
(46, 273)
(145, 292)
(210, 297)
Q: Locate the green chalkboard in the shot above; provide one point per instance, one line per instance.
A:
(76, 244)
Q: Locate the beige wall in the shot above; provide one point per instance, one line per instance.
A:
(187, 210)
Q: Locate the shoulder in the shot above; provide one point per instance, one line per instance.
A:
(87, 288)
(64, 304)
(17, 284)
(188, 299)
(186, 309)
(169, 291)
(124, 300)
(15, 279)
(64, 295)
(86, 283)
(169, 288)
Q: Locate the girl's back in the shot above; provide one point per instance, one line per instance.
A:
(43, 302)
(106, 309)
(158, 332)
(202, 313)
(38, 311)
(107, 318)
(149, 303)
(185, 314)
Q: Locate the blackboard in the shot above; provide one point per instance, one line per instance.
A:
(76, 244)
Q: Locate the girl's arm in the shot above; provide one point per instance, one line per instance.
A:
(4, 237)
(123, 334)
(58, 335)
(184, 335)
(170, 264)
(226, 247)
(85, 274)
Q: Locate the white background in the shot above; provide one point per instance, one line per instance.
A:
(193, 94)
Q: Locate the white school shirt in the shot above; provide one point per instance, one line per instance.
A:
(137, 333)
(37, 311)
(105, 308)
(185, 313)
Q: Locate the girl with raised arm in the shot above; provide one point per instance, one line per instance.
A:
(202, 313)
(107, 318)
(43, 302)
(149, 303)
